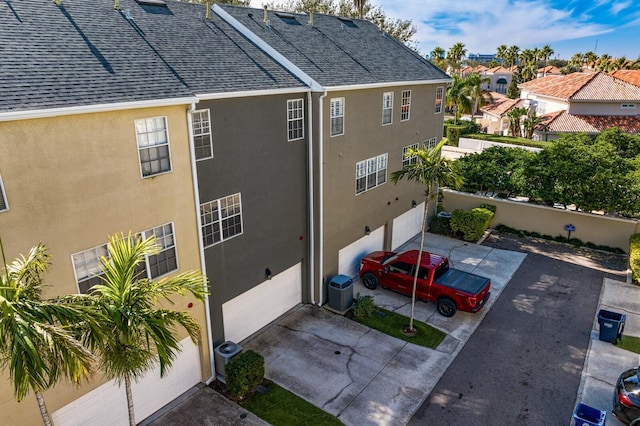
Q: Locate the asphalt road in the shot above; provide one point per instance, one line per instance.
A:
(522, 366)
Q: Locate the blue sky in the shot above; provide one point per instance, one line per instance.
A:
(568, 26)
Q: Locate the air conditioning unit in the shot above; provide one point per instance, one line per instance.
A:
(222, 355)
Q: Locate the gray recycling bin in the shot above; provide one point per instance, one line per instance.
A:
(340, 293)
(611, 325)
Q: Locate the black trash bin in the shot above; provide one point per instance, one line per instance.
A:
(340, 293)
(611, 325)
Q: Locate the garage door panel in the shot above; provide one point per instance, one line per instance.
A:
(407, 226)
(255, 308)
(349, 256)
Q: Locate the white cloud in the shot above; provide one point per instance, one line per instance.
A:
(620, 6)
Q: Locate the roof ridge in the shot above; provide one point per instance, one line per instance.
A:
(589, 79)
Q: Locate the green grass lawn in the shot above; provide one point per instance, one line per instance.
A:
(630, 343)
(392, 324)
(278, 406)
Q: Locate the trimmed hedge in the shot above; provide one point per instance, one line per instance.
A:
(441, 225)
(509, 139)
(471, 224)
(453, 134)
(634, 257)
(244, 372)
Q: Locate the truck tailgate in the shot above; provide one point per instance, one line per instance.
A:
(463, 281)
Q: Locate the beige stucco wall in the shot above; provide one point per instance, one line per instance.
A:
(346, 214)
(603, 108)
(71, 181)
(601, 230)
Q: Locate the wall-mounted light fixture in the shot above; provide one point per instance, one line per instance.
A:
(268, 273)
(413, 203)
(367, 230)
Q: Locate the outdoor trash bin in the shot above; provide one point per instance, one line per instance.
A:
(611, 325)
(585, 415)
(340, 293)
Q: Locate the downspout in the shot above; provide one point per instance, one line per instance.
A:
(321, 196)
(312, 286)
(203, 266)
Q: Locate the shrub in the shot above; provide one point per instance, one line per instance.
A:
(453, 134)
(441, 225)
(471, 224)
(244, 372)
(634, 257)
(490, 207)
(363, 306)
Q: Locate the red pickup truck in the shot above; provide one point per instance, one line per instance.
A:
(451, 289)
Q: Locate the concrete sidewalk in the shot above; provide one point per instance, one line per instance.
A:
(363, 376)
(604, 361)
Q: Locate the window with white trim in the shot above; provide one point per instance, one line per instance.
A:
(337, 116)
(167, 260)
(408, 155)
(202, 140)
(221, 219)
(86, 266)
(295, 119)
(371, 173)
(387, 108)
(3, 199)
(439, 99)
(153, 145)
(628, 106)
(430, 143)
(405, 107)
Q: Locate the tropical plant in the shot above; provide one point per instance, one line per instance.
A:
(478, 96)
(455, 54)
(41, 340)
(429, 170)
(501, 51)
(529, 124)
(137, 331)
(545, 53)
(457, 99)
(437, 57)
(511, 56)
(515, 120)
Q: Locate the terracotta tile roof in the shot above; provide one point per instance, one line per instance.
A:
(630, 76)
(583, 86)
(502, 106)
(550, 69)
(561, 122)
(499, 70)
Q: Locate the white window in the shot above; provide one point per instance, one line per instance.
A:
(405, 108)
(439, 99)
(167, 260)
(153, 145)
(370, 173)
(221, 219)
(628, 106)
(201, 122)
(408, 155)
(387, 108)
(430, 143)
(295, 119)
(337, 116)
(86, 265)
(3, 199)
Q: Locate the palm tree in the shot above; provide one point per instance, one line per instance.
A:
(359, 5)
(511, 56)
(455, 55)
(501, 51)
(437, 57)
(546, 52)
(430, 170)
(457, 98)
(477, 95)
(515, 120)
(137, 332)
(40, 340)
(590, 59)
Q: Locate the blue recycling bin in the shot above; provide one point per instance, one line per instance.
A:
(585, 415)
(611, 325)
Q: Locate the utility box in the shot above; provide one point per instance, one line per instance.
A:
(222, 355)
(340, 293)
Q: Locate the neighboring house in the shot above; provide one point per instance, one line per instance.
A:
(494, 116)
(548, 70)
(372, 98)
(630, 76)
(94, 141)
(499, 78)
(582, 102)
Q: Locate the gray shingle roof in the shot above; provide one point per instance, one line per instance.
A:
(86, 53)
(335, 52)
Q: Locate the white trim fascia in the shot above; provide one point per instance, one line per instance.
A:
(273, 53)
(386, 84)
(87, 109)
(252, 93)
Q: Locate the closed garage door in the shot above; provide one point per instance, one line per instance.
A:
(407, 226)
(107, 405)
(254, 309)
(349, 256)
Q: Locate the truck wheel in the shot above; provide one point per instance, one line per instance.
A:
(370, 281)
(446, 307)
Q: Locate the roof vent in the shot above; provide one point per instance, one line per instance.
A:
(151, 3)
(347, 22)
(287, 18)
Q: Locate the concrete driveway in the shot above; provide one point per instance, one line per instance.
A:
(361, 375)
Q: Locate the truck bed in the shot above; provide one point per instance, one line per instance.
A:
(463, 281)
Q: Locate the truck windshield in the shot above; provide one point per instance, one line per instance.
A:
(441, 269)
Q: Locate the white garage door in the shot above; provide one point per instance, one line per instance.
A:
(107, 405)
(407, 226)
(255, 308)
(349, 256)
